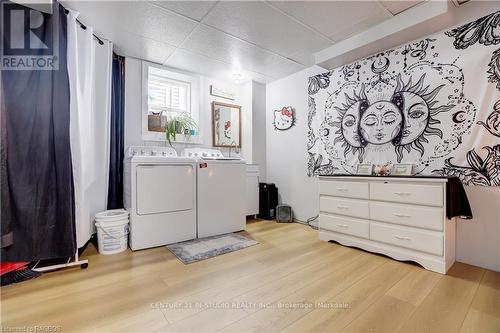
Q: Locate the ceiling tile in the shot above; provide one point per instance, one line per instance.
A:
(138, 17)
(261, 24)
(192, 9)
(262, 40)
(196, 63)
(396, 7)
(303, 57)
(363, 25)
(335, 19)
(282, 68)
(220, 46)
(131, 45)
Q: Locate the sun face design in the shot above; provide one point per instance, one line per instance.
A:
(404, 119)
(419, 109)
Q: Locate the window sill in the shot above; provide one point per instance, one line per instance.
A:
(179, 139)
(186, 139)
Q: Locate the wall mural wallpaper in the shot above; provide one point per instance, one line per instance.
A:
(284, 118)
(433, 103)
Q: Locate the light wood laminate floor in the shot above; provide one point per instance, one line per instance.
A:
(290, 282)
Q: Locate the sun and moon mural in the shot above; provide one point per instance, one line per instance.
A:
(433, 103)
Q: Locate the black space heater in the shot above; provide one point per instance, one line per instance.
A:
(268, 200)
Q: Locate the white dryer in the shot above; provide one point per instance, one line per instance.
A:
(160, 195)
(221, 192)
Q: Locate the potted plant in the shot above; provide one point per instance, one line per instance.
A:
(182, 123)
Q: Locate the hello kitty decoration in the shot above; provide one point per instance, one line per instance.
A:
(284, 118)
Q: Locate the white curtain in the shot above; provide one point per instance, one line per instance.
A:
(89, 70)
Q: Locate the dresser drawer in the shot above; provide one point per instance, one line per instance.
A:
(344, 189)
(416, 216)
(345, 225)
(425, 241)
(354, 208)
(431, 195)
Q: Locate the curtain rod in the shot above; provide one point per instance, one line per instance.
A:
(84, 27)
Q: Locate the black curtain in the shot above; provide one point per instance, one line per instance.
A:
(115, 189)
(37, 203)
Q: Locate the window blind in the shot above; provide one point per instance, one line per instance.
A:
(167, 95)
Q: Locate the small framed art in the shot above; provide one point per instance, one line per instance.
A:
(402, 169)
(364, 169)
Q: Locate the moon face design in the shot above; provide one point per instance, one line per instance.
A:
(350, 123)
(379, 66)
(459, 117)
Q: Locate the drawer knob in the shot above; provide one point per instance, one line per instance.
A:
(342, 225)
(342, 207)
(402, 193)
(342, 189)
(401, 215)
(402, 238)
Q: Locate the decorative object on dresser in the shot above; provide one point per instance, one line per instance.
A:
(381, 170)
(402, 170)
(403, 218)
(364, 169)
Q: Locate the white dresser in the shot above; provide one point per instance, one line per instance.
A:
(404, 218)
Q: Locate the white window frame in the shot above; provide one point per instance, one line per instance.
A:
(193, 103)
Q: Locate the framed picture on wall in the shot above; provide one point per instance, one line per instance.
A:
(364, 169)
(222, 92)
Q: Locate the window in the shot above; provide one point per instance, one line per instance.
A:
(166, 94)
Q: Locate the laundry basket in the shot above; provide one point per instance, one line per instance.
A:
(112, 231)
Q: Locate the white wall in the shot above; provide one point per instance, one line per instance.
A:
(133, 109)
(478, 240)
(286, 150)
(259, 127)
(246, 121)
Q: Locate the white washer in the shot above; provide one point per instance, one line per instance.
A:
(160, 194)
(221, 187)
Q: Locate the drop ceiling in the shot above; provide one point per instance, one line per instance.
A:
(262, 40)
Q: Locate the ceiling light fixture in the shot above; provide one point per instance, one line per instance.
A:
(237, 77)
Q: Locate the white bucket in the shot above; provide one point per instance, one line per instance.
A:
(112, 231)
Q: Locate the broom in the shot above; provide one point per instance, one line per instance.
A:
(14, 272)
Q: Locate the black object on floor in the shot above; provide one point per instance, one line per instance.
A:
(457, 203)
(268, 200)
(19, 275)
